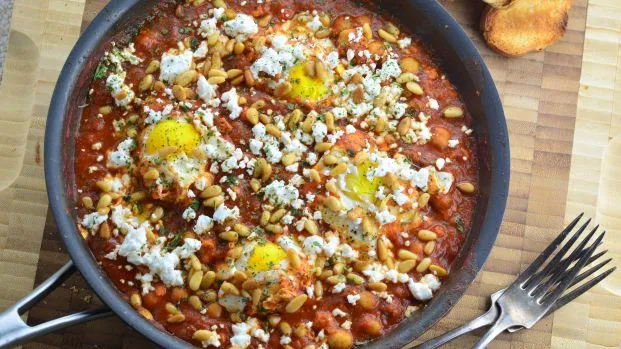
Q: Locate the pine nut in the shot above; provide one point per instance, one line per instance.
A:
(453, 112)
(211, 191)
(171, 308)
(423, 199)
(214, 201)
(135, 300)
(311, 226)
(386, 36)
(104, 201)
(151, 174)
(314, 175)
(185, 78)
(296, 303)
(405, 254)
(438, 270)
(377, 286)
(466, 187)
(153, 66)
(415, 88)
(406, 265)
(409, 65)
(427, 235)
(175, 319)
(429, 247)
(104, 230)
(382, 250)
(423, 265)
(252, 115)
(294, 258)
(229, 288)
(330, 159)
(87, 202)
(333, 203)
(404, 126)
(216, 80)
(230, 236)
(195, 280)
(276, 216)
(241, 229)
(322, 147)
(208, 279)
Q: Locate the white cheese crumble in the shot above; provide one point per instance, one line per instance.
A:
(281, 194)
(241, 27)
(232, 103)
(121, 157)
(172, 65)
(203, 224)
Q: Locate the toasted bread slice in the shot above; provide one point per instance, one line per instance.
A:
(498, 3)
(525, 25)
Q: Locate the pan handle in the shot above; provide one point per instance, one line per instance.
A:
(14, 331)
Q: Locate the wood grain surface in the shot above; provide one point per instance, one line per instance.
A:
(555, 154)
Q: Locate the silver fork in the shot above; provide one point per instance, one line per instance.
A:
(544, 288)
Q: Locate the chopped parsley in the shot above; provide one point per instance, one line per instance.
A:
(195, 205)
(232, 179)
(174, 242)
(459, 224)
(101, 71)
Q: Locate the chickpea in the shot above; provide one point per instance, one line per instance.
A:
(371, 326)
(368, 300)
(440, 137)
(214, 310)
(340, 339)
(178, 293)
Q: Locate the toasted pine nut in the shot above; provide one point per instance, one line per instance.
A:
(466, 187)
(438, 270)
(311, 226)
(214, 201)
(322, 147)
(208, 279)
(211, 191)
(405, 254)
(104, 230)
(87, 202)
(314, 175)
(406, 265)
(330, 159)
(216, 80)
(252, 115)
(153, 66)
(276, 216)
(146, 83)
(333, 203)
(171, 308)
(229, 288)
(377, 286)
(241, 229)
(135, 300)
(409, 65)
(195, 280)
(283, 89)
(104, 201)
(453, 112)
(338, 169)
(175, 319)
(294, 258)
(273, 130)
(427, 235)
(230, 236)
(405, 78)
(185, 78)
(429, 247)
(386, 36)
(355, 278)
(423, 265)
(423, 199)
(415, 88)
(404, 125)
(296, 303)
(382, 250)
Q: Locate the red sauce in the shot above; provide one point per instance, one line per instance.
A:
(447, 215)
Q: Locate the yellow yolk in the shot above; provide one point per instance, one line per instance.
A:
(360, 186)
(265, 256)
(304, 86)
(172, 133)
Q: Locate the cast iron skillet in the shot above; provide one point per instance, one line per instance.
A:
(428, 21)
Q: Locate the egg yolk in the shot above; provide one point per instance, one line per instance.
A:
(359, 185)
(265, 256)
(172, 133)
(304, 86)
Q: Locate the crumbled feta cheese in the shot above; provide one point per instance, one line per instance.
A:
(349, 129)
(452, 143)
(338, 288)
(121, 157)
(172, 65)
(222, 213)
(420, 291)
(232, 103)
(339, 312)
(203, 224)
(353, 298)
(431, 281)
(281, 194)
(241, 27)
(92, 221)
(189, 214)
(207, 92)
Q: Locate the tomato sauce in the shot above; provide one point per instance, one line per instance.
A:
(447, 215)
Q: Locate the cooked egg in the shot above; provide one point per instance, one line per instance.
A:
(304, 86)
(263, 260)
(179, 136)
(359, 187)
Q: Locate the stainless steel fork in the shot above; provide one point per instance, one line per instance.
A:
(536, 291)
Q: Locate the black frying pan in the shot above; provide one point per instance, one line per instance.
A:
(119, 20)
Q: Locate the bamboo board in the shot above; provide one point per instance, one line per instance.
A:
(550, 108)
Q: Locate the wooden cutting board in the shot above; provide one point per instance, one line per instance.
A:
(563, 107)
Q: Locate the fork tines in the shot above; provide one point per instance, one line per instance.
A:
(555, 271)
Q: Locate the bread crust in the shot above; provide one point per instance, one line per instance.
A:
(525, 25)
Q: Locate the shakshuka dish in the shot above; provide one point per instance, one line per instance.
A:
(262, 174)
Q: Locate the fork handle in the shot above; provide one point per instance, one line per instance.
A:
(503, 323)
(481, 321)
